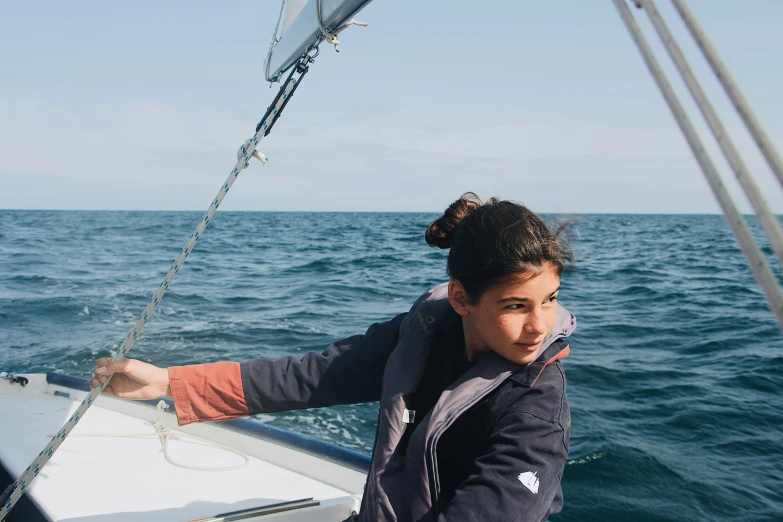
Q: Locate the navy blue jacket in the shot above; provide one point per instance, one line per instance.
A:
(501, 460)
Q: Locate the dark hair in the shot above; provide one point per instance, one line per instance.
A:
(494, 240)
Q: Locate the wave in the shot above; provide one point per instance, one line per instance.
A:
(673, 379)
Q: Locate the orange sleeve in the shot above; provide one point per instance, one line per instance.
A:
(207, 392)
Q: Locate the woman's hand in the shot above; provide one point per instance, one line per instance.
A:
(132, 379)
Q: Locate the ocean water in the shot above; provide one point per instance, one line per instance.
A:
(675, 375)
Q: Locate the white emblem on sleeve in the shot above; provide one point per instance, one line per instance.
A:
(529, 480)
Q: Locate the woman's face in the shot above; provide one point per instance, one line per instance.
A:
(512, 318)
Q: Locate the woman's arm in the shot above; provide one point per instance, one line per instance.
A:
(518, 475)
(347, 372)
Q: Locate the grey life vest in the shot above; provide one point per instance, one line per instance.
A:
(404, 488)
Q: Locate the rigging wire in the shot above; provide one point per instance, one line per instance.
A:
(768, 221)
(733, 91)
(756, 260)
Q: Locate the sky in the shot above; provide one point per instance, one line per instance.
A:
(142, 106)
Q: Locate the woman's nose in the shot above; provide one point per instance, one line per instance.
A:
(535, 324)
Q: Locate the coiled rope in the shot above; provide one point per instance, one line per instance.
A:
(165, 434)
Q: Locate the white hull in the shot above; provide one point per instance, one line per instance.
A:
(101, 472)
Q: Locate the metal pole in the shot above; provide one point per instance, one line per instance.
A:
(768, 221)
(732, 89)
(756, 261)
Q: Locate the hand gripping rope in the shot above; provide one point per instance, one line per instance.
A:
(14, 492)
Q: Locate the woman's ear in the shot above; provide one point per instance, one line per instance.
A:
(458, 297)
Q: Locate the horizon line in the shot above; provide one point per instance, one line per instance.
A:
(369, 212)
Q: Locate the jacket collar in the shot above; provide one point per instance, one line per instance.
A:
(528, 375)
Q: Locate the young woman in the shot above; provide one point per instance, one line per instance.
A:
(473, 421)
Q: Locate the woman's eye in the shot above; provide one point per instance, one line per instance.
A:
(552, 299)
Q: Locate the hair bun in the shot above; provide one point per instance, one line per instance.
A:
(441, 232)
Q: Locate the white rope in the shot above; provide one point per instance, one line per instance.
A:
(164, 433)
(15, 491)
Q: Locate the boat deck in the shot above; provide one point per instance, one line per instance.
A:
(111, 466)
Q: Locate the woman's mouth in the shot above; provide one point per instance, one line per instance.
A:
(529, 346)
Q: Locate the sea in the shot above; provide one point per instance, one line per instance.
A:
(675, 378)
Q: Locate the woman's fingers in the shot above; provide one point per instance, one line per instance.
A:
(100, 370)
(131, 379)
(116, 367)
(94, 383)
(108, 390)
(106, 367)
(98, 376)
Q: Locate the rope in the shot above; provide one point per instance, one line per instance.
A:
(164, 433)
(14, 492)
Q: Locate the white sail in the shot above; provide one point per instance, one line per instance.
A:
(299, 28)
(291, 9)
